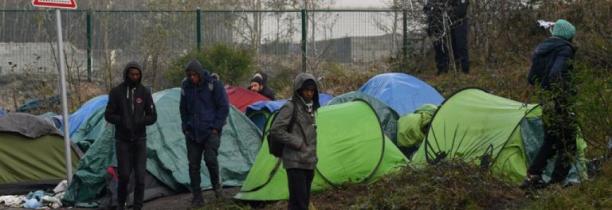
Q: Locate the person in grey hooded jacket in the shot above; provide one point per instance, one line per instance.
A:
(299, 155)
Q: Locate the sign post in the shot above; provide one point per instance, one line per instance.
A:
(61, 4)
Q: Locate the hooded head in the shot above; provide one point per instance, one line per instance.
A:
(132, 77)
(195, 73)
(564, 29)
(305, 81)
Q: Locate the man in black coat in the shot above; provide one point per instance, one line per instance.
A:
(130, 108)
(442, 16)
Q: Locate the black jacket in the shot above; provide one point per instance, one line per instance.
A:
(130, 108)
(434, 10)
(267, 92)
(551, 62)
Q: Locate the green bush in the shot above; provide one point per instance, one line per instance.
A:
(233, 65)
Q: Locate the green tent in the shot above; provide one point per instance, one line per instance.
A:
(387, 116)
(31, 153)
(351, 148)
(494, 132)
(166, 151)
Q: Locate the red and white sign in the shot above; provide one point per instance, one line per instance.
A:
(58, 4)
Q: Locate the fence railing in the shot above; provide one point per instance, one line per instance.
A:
(297, 39)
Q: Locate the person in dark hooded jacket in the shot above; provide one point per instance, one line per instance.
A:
(204, 108)
(259, 85)
(299, 154)
(551, 70)
(130, 108)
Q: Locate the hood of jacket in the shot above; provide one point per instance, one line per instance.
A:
(299, 81)
(194, 65)
(131, 65)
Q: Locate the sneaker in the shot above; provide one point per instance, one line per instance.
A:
(533, 182)
(219, 194)
(197, 201)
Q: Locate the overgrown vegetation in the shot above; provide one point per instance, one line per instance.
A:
(233, 65)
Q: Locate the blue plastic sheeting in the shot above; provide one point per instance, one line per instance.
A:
(83, 113)
(259, 111)
(272, 106)
(2, 112)
(402, 92)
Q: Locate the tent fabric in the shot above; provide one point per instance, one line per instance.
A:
(84, 112)
(241, 98)
(26, 124)
(387, 116)
(412, 127)
(32, 162)
(53, 118)
(360, 153)
(481, 128)
(259, 111)
(166, 151)
(402, 92)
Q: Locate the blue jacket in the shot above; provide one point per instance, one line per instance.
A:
(551, 62)
(203, 106)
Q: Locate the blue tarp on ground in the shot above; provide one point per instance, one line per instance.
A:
(402, 92)
(259, 111)
(83, 113)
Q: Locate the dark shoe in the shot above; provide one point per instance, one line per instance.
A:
(533, 182)
(198, 200)
(219, 194)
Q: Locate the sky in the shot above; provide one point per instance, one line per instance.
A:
(360, 3)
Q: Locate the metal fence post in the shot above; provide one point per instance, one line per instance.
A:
(199, 28)
(304, 38)
(404, 40)
(89, 40)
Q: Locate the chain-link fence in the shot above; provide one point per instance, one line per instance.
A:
(99, 43)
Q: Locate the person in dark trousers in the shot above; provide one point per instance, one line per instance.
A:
(204, 108)
(551, 70)
(441, 16)
(130, 108)
(299, 156)
(259, 85)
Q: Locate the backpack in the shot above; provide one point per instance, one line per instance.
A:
(275, 147)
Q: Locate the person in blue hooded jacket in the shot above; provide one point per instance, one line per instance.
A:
(551, 69)
(204, 108)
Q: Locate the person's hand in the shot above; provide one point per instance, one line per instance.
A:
(214, 131)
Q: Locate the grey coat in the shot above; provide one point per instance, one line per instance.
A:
(303, 131)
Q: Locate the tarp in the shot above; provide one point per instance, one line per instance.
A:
(27, 125)
(485, 129)
(358, 154)
(402, 92)
(84, 112)
(241, 98)
(259, 111)
(167, 154)
(2, 112)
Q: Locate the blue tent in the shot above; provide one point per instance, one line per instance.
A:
(261, 110)
(83, 113)
(402, 92)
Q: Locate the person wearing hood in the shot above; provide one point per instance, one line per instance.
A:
(204, 108)
(130, 108)
(259, 85)
(299, 155)
(551, 69)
